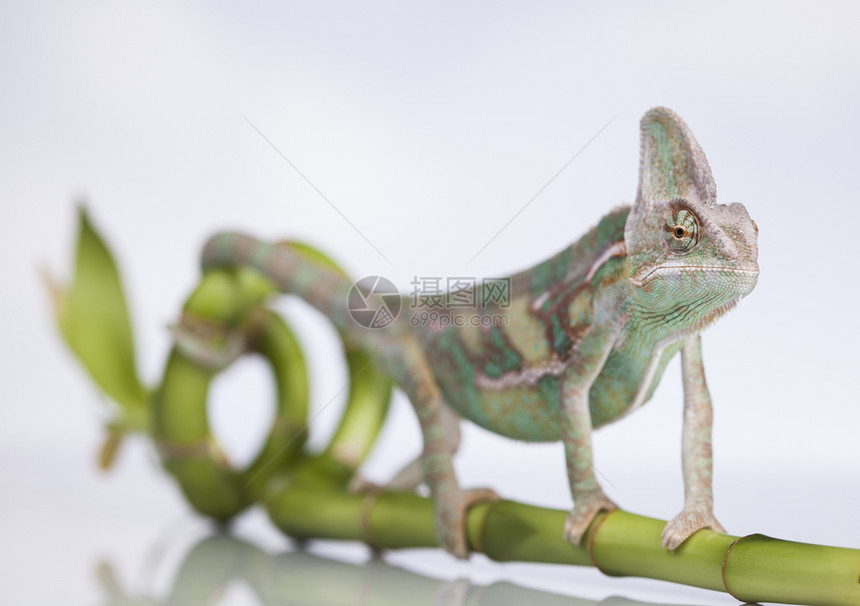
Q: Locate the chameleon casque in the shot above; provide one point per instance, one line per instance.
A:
(585, 339)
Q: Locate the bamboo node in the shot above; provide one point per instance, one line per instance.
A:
(367, 534)
(482, 527)
(199, 448)
(591, 536)
(725, 561)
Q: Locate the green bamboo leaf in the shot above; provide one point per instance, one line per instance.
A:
(94, 320)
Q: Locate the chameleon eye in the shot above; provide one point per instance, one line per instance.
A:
(682, 230)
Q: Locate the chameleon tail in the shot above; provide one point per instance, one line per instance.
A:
(225, 317)
(292, 267)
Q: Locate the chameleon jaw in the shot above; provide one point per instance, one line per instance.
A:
(638, 279)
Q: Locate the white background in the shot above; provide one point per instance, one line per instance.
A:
(429, 128)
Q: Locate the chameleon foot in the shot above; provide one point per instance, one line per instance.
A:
(209, 345)
(683, 525)
(406, 480)
(451, 519)
(359, 484)
(585, 509)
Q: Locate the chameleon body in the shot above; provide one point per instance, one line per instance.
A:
(582, 340)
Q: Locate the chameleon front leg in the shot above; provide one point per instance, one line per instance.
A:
(696, 454)
(588, 497)
(450, 501)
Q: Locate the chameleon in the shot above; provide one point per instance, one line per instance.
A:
(582, 339)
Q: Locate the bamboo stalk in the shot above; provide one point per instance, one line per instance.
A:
(752, 569)
(306, 495)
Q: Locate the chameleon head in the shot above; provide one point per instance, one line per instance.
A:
(689, 259)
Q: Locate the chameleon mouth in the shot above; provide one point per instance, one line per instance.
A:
(676, 270)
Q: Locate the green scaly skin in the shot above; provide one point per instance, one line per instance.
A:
(583, 341)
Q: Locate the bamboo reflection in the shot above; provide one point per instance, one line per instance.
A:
(299, 578)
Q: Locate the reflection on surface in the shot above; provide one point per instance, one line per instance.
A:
(217, 562)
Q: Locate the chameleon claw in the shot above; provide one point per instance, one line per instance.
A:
(359, 485)
(451, 520)
(685, 524)
(210, 346)
(585, 509)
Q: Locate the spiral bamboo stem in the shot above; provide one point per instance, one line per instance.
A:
(306, 494)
